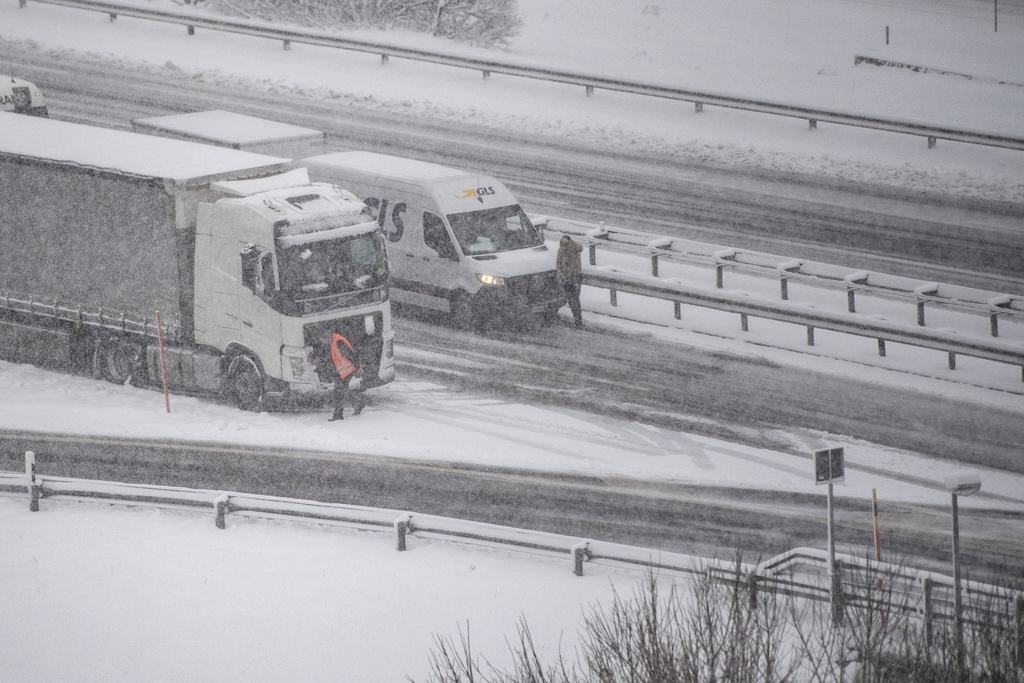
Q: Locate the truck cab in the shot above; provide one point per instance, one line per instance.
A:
(21, 97)
(276, 260)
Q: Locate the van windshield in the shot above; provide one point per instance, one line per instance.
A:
(490, 230)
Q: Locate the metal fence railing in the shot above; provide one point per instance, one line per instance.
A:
(801, 572)
(918, 293)
(590, 82)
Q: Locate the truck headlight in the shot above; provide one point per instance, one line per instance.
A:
(490, 279)
(300, 367)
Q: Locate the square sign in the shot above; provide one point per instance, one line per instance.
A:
(829, 466)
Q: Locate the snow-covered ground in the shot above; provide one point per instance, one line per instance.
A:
(91, 592)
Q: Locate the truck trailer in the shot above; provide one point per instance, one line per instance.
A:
(236, 131)
(245, 263)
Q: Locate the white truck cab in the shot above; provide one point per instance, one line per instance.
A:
(21, 97)
(458, 242)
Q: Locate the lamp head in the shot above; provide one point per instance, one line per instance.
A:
(963, 483)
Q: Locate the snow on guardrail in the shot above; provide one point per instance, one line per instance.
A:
(488, 66)
(800, 572)
(784, 269)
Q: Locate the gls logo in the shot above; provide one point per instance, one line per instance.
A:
(382, 213)
(479, 193)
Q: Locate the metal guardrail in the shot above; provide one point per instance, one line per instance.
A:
(489, 66)
(800, 572)
(849, 322)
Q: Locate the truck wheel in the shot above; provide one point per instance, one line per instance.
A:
(116, 360)
(463, 316)
(246, 384)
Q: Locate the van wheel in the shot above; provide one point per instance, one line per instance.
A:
(247, 385)
(115, 360)
(463, 315)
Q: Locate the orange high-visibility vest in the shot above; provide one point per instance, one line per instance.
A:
(341, 360)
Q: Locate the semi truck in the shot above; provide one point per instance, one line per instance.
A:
(244, 262)
(459, 242)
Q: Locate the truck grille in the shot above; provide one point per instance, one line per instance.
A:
(536, 287)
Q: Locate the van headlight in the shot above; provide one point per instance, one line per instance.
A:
(490, 279)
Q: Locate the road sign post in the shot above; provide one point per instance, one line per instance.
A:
(830, 467)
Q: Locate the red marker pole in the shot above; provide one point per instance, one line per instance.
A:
(163, 362)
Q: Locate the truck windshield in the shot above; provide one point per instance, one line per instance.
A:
(502, 229)
(322, 275)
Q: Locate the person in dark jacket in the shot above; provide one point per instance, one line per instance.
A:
(569, 270)
(347, 366)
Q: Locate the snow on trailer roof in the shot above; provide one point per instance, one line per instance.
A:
(389, 166)
(127, 153)
(224, 127)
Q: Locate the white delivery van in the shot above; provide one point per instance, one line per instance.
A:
(21, 97)
(458, 241)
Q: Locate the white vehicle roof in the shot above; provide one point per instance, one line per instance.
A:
(224, 128)
(455, 191)
(126, 153)
(408, 170)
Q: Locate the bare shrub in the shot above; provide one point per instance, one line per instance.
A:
(726, 632)
(489, 23)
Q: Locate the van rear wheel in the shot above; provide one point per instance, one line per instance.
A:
(247, 384)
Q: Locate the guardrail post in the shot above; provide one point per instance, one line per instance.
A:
(593, 254)
(720, 276)
(752, 590)
(810, 335)
(33, 485)
(743, 322)
(920, 313)
(613, 295)
(1020, 631)
(952, 361)
(287, 44)
(994, 324)
(403, 527)
(191, 30)
(784, 286)
(383, 59)
(580, 554)
(590, 91)
(931, 141)
(812, 124)
(113, 17)
(851, 304)
(487, 75)
(221, 506)
(881, 348)
(678, 310)
(698, 107)
(654, 267)
(22, 4)
(929, 631)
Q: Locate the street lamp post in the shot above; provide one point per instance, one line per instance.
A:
(959, 484)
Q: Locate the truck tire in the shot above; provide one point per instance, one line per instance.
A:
(246, 384)
(116, 359)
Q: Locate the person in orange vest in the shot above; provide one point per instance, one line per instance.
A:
(347, 366)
